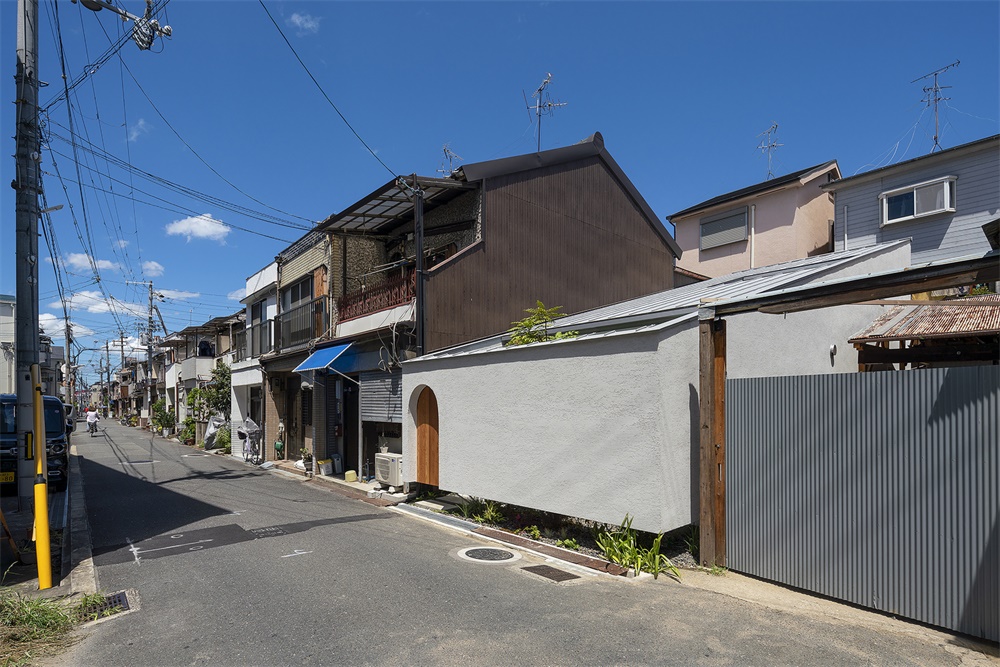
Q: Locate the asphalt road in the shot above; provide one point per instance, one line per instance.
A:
(238, 566)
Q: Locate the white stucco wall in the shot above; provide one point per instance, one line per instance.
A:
(592, 429)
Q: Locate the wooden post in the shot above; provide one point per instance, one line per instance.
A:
(712, 408)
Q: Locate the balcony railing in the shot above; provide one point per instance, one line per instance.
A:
(393, 292)
(239, 346)
(260, 338)
(303, 323)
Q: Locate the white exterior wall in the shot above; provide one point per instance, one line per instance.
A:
(594, 429)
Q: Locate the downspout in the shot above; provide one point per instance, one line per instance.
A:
(753, 228)
(845, 227)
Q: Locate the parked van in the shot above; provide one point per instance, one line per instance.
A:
(56, 442)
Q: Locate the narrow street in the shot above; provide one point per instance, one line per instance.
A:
(237, 566)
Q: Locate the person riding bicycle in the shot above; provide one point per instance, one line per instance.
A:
(92, 417)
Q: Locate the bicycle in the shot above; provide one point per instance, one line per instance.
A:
(251, 436)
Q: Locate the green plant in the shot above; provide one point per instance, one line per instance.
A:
(621, 545)
(490, 513)
(196, 402)
(90, 607)
(163, 418)
(535, 327)
(31, 626)
(717, 571)
(216, 394)
(533, 532)
(224, 440)
(188, 429)
(692, 541)
(568, 543)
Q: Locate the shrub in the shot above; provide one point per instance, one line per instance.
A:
(622, 546)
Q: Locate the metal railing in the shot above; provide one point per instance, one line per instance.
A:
(239, 346)
(303, 323)
(260, 338)
(393, 292)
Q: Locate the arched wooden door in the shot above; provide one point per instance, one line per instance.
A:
(427, 438)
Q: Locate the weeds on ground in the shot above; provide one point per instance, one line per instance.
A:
(533, 532)
(622, 545)
(30, 627)
(89, 608)
(490, 513)
(568, 543)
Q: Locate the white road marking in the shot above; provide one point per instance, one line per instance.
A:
(297, 552)
(176, 546)
(134, 549)
(138, 463)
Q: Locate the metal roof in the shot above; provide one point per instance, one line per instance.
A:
(772, 184)
(958, 318)
(730, 286)
(391, 206)
(671, 307)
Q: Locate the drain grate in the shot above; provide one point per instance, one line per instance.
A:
(489, 554)
(550, 572)
(115, 603)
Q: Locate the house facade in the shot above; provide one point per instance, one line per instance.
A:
(605, 424)
(247, 380)
(775, 221)
(939, 201)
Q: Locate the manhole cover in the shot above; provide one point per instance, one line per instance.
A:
(550, 572)
(489, 555)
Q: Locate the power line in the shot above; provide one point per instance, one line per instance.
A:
(323, 92)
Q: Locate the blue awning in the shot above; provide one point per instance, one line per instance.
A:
(321, 359)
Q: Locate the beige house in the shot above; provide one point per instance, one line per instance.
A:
(784, 218)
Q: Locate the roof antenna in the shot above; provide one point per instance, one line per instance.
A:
(767, 145)
(933, 96)
(450, 156)
(542, 106)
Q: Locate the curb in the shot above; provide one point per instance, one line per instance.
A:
(541, 548)
(82, 577)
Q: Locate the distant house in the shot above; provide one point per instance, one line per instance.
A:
(247, 379)
(940, 201)
(778, 220)
(423, 262)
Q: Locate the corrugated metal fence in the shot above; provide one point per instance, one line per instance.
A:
(881, 489)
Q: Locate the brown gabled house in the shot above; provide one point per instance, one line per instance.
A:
(423, 263)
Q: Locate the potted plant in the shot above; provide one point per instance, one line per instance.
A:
(163, 419)
(187, 433)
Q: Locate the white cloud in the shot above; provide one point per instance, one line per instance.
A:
(140, 128)
(81, 262)
(199, 227)
(237, 295)
(304, 23)
(56, 327)
(121, 243)
(93, 301)
(178, 294)
(152, 269)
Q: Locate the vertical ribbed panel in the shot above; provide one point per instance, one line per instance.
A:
(881, 489)
(382, 396)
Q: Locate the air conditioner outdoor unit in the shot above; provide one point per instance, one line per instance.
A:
(389, 469)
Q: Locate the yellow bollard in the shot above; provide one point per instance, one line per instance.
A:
(42, 540)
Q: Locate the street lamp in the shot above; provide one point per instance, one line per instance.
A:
(146, 27)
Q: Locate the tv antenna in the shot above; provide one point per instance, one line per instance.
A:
(450, 156)
(932, 95)
(769, 145)
(543, 105)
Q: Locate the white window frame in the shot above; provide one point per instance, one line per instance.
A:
(950, 195)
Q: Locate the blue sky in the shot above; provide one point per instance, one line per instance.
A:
(680, 92)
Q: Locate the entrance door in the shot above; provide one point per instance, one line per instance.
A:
(427, 438)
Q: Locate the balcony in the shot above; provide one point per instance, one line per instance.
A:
(393, 292)
(239, 346)
(259, 338)
(303, 323)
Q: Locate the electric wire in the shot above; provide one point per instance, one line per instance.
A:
(323, 92)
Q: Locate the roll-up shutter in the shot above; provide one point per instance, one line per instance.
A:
(382, 396)
(722, 229)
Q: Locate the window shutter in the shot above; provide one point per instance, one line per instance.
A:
(728, 228)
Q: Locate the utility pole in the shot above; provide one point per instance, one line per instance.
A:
(107, 360)
(150, 327)
(26, 185)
